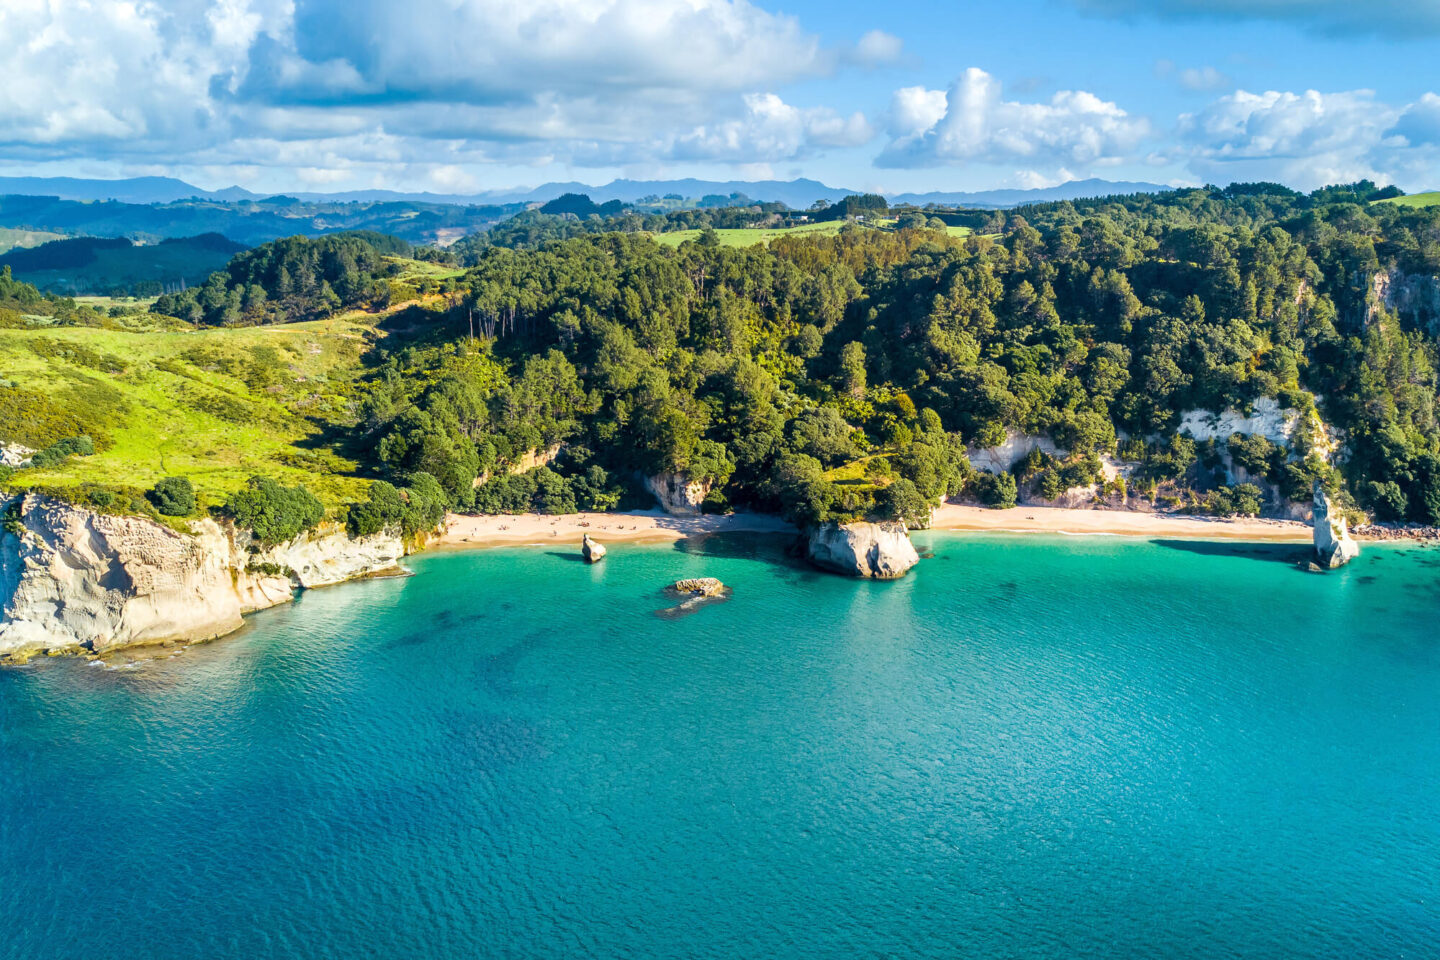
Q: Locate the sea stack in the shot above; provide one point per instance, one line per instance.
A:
(590, 550)
(876, 551)
(1333, 546)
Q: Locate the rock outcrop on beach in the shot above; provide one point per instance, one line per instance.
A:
(1333, 545)
(677, 494)
(878, 551)
(590, 550)
(72, 579)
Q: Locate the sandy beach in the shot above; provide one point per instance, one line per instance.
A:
(640, 526)
(655, 526)
(1123, 523)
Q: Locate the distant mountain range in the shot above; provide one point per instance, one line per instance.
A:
(799, 194)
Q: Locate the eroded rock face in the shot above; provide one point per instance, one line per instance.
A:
(1333, 545)
(677, 494)
(880, 551)
(700, 587)
(590, 550)
(73, 578)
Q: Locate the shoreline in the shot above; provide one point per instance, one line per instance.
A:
(654, 526)
(1116, 523)
(640, 526)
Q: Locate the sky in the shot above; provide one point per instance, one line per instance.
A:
(462, 96)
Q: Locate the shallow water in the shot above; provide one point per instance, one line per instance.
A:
(1030, 747)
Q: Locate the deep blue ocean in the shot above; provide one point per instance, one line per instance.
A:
(1028, 748)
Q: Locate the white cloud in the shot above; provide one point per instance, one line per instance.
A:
(877, 48)
(1304, 139)
(978, 125)
(217, 83)
(773, 130)
(1419, 124)
(1204, 78)
(914, 111)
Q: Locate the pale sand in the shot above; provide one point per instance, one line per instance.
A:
(645, 525)
(655, 526)
(1124, 523)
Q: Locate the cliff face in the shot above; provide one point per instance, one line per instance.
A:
(880, 551)
(677, 494)
(1414, 296)
(74, 579)
(1333, 546)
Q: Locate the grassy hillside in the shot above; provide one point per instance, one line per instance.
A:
(10, 238)
(749, 237)
(216, 406)
(1416, 200)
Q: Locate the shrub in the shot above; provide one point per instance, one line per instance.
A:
(173, 497)
(275, 512)
(384, 507)
(62, 450)
(995, 490)
(903, 501)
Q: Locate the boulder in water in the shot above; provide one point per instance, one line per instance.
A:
(700, 587)
(1333, 545)
(877, 551)
(590, 550)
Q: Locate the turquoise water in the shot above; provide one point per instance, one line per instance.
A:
(1051, 748)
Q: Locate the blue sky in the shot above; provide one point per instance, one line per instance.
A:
(469, 95)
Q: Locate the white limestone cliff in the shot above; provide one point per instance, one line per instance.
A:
(1333, 545)
(677, 494)
(880, 551)
(73, 579)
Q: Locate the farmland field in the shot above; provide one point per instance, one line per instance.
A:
(1430, 199)
(215, 405)
(748, 237)
(11, 238)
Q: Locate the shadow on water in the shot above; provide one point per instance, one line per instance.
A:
(1290, 554)
(769, 547)
(575, 557)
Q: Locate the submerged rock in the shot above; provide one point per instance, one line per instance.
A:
(878, 551)
(590, 550)
(700, 587)
(1333, 545)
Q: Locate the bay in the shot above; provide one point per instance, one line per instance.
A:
(1029, 747)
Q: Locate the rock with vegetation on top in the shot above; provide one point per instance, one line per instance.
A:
(878, 551)
(1333, 545)
(677, 494)
(73, 579)
(590, 550)
(700, 587)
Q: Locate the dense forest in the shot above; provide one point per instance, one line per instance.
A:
(836, 377)
(293, 279)
(831, 377)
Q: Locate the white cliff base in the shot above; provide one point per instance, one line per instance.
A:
(677, 494)
(75, 580)
(1333, 545)
(880, 551)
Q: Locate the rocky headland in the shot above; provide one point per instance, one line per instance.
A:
(73, 580)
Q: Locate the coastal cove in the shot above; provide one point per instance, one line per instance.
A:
(1032, 746)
